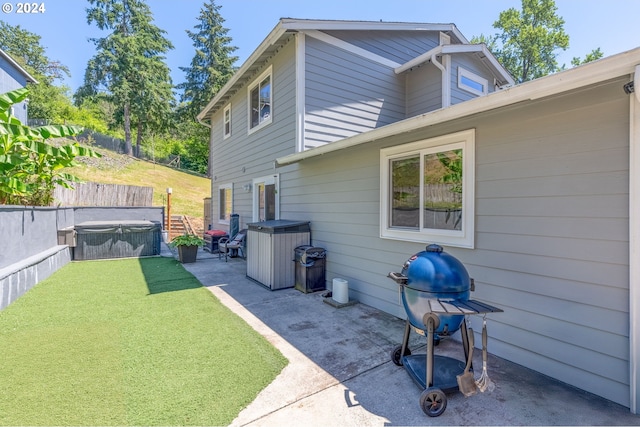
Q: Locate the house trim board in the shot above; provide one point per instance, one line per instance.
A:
(634, 244)
(327, 25)
(341, 44)
(25, 74)
(300, 91)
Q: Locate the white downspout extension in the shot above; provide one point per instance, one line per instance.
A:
(446, 81)
(634, 244)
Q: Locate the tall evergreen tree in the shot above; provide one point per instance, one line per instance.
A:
(129, 64)
(213, 62)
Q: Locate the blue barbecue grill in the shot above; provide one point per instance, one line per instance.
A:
(435, 289)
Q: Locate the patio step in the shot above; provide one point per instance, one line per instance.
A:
(177, 226)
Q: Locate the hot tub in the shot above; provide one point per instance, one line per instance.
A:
(116, 239)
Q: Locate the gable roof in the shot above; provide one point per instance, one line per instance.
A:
(17, 66)
(502, 75)
(288, 26)
(626, 63)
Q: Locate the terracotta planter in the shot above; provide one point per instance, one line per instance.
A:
(187, 254)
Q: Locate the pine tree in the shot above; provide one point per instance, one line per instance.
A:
(129, 64)
(212, 65)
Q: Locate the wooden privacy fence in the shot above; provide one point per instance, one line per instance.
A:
(94, 194)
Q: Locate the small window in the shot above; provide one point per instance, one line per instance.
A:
(225, 203)
(428, 190)
(472, 82)
(260, 101)
(227, 121)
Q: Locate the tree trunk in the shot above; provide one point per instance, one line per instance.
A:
(128, 149)
(139, 139)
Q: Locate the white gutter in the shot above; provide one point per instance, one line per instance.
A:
(584, 75)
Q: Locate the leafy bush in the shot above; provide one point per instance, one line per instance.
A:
(187, 240)
(30, 168)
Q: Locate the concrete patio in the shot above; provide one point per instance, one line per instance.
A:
(340, 371)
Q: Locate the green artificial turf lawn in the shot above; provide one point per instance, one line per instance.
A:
(128, 342)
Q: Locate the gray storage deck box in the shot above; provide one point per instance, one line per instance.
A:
(271, 250)
(116, 239)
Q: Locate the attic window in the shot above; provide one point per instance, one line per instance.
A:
(472, 82)
(260, 101)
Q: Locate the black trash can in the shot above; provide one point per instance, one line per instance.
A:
(310, 268)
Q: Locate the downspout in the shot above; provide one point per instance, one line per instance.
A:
(446, 85)
(634, 241)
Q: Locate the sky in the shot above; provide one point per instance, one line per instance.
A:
(611, 25)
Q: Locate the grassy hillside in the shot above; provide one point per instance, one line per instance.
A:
(188, 190)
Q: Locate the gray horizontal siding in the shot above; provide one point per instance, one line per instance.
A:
(423, 90)
(552, 238)
(398, 46)
(243, 156)
(12, 79)
(470, 62)
(551, 232)
(346, 94)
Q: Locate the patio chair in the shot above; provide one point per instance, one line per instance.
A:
(228, 246)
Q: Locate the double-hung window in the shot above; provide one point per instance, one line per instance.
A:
(427, 190)
(225, 203)
(260, 101)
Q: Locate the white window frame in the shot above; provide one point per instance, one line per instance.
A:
(465, 237)
(228, 186)
(266, 180)
(254, 84)
(226, 120)
(466, 74)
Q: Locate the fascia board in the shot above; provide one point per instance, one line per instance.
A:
(575, 78)
(272, 38)
(325, 25)
(17, 66)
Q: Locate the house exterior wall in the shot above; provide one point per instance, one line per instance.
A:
(346, 94)
(243, 156)
(469, 63)
(12, 79)
(551, 231)
(398, 46)
(423, 90)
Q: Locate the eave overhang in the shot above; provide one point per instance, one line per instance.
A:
(565, 81)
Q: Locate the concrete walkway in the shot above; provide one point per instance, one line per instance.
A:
(340, 371)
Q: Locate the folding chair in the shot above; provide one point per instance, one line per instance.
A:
(228, 247)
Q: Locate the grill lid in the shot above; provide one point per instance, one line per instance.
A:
(436, 271)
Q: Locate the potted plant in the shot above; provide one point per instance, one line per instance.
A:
(187, 245)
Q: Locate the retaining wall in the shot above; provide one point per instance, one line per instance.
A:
(29, 249)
